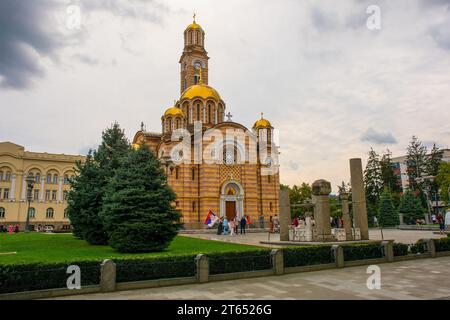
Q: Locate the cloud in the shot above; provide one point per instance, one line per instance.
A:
(29, 32)
(376, 137)
(86, 59)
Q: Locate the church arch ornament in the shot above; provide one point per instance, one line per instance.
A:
(237, 196)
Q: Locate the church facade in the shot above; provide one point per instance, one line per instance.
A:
(212, 162)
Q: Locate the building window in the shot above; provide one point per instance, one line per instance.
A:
(269, 179)
(36, 195)
(66, 214)
(270, 206)
(6, 194)
(47, 195)
(198, 112)
(177, 173)
(55, 179)
(0, 193)
(1, 175)
(49, 178)
(194, 206)
(37, 178)
(54, 195)
(49, 213)
(65, 194)
(8, 176)
(32, 213)
(193, 173)
(66, 179)
(2, 213)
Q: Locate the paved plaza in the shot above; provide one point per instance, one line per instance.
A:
(415, 279)
(403, 236)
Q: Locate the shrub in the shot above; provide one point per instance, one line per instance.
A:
(40, 276)
(308, 255)
(418, 247)
(362, 251)
(400, 249)
(229, 262)
(155, 268)
(442, 244)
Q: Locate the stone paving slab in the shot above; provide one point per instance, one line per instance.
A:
(414, 279)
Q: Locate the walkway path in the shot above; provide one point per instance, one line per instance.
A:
(415, 279)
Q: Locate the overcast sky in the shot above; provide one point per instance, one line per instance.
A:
(333, 87)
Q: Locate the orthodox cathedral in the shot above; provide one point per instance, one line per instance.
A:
(213, 163)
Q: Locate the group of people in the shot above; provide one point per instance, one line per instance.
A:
(11, 229)
(231, 227)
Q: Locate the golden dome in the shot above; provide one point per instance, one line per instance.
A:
(194, 25)
(174, 111)
(262, 123)
(200, 91)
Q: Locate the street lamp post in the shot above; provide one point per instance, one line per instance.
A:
(30, 185)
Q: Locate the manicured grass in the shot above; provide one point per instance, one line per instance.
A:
(40, 247)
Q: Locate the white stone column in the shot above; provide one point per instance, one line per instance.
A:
(60, 191)
(23, 196)
(215, 117)
(42, 191)
(12, 195)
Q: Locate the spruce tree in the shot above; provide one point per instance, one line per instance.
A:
(411, 208)
(86, 198)
(137, 207)
(390, 180)
(84, 202)
(372, 178)
(416, 161)
(388, 215)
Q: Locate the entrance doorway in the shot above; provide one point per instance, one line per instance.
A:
(230, 210)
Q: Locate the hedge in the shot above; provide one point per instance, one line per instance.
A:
(442, 244)
(362, 251)
(400, 249)
(229, 262)
(308, 255)
(155, 268)
(40, 276)
(418, 247)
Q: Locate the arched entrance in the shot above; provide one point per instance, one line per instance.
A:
(231, 200)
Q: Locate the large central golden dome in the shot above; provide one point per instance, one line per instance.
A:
(200, 91)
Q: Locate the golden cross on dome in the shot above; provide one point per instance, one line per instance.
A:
(194, 16)
(262, 115)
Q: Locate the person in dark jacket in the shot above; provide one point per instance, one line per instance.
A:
(243, 224)
(220, 227)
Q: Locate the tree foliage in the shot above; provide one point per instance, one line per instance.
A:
(411, 208)
(387, 213)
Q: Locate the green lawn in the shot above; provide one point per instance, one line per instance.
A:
(39, 247)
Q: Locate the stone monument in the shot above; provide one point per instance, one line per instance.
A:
(285, 215)
(321, 190)
(346, 216)
(359, 198)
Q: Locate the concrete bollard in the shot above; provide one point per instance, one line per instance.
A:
(277, 261)
(388, 250)
(108, 276)
(202, 263)
(430, 247)
(338, 253)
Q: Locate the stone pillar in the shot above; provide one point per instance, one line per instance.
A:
(338, 253)
(12, 194)
(23, 195)
(277, 261)
(346, 217)
(285, 215)
(42, 191)
(400, 215)
(388, 249)
(321, 191)
(431, 248)
(359, 198)
(202, 264)
(108, 276)
(60, 189)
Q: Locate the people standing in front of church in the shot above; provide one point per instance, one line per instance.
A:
(233, 227)
(243, 224)
(271, 224)
(225, 226)
(220, 227)
(261, 221)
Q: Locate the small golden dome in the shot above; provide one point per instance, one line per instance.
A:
(174, 111)
(194, 25)
(200, 91)
(262, 123)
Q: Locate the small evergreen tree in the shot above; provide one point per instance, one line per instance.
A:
(416, 161)
(84, 203)
(411, 208)
(390, 179)
(388, 215)
(372, 178)
(137, 208)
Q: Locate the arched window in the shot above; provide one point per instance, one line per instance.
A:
(209, 113)
(196, 79)
(49, 213)
(55, 179)
(8, 176)
(49, 178)
(230, 154)
(2, 213)
(37, 178)
(193, 173)
(198, 111)
(32, 213)
(66, 179)
(177, 173)
(1, 175)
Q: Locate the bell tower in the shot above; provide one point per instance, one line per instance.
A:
(194, 57)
